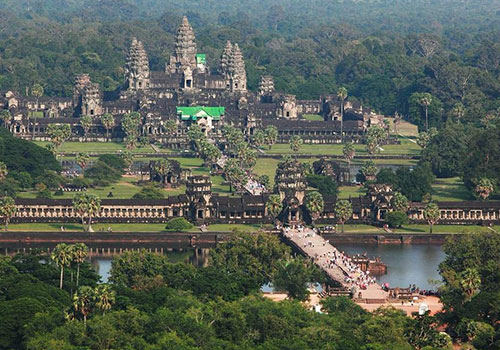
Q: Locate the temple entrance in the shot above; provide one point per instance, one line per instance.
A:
(200, 214)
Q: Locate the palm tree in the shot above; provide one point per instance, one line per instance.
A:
(484, 187)
(61, 255)
(343, 211)
(104, 297)
(432, 214)
(426, 100)
(295, 143)
(163, 167)
(170, 126)
(271, 133)
(259, 138)
(37, 92)
(5, 116)
(80, 253)
(108, 122)
(82, 159)
(369, 170)
(83, 301)
(87, 205)
(470, 281)
(349, 153)
(7, 209)
(458, 111)
(274, 206)
(399, 202)
(86, 123)
(342, 95)
(314, 204)
(3, 171)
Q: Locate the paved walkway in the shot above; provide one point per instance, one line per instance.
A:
(337, 265)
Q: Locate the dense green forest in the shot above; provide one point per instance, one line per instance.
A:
(382, 51)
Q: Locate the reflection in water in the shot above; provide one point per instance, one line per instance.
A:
(196, 256)
(406, 264)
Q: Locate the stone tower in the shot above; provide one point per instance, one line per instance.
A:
(287, 107)
(266, 88)
(81, 80)
(91, 100)
(237, 72)
(225, 59)
(185, 49)
(137, 72)
(199, 193)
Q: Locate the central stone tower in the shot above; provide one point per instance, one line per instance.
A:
(184, 56)
(237, 72)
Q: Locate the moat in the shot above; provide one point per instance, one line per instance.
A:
(406, 264)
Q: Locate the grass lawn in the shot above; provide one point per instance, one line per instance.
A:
(267, 166)
(445, 229)
(406, 148)
(313, 117)
(95, 147)
(452, 189)
(351, 191)
(73, 227)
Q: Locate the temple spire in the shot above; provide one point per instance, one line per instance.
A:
(237, 72)
(226, 58)
(185, 49)
(137, 71)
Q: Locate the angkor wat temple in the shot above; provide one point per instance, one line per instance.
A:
(188, 81)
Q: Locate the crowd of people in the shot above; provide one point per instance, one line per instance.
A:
(331, 258)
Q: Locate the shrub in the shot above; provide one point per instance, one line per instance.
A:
(102, 174)
(178, 224)
(325, 184)
(396, 219)
(149, 192)
(114, 161)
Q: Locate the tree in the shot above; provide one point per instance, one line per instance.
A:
(37, 92)
(396, 219)
(86, 123)
(399, 202)
(324, 184)
(87, 205)
(447, 150)
(343, 211)
(342, 95)
(128, 157)
(458, 111)
(425, 101)
(178, 224)
(163, 167)
(235, 174)
(271, 133)
(259, 138)
(211, 154)
(58, 133)
(82, 159)
(369, 170)
(79, 253)
(349, 152)
(484, 188)
(130, 125)
(295, 143)
(432, 214)
(108, 122)
(372, 145)
(294, 276)
(314, 204)
(149, 192)
(7, 209)
(83, 302)
(170, 126)
(61, 255)
(246, 155)
(6, 117)
(274, 206)
(3, 171)
(470, 282)
(104, 297)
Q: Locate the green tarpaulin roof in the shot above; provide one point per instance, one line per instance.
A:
(193, 113)
(201, 58)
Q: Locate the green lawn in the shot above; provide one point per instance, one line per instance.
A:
(351, 191)
(406, 148)
(452, 189)
(95, 147)
(73, 227)
(312, 117)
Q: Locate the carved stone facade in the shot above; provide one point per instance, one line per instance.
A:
(188, 81)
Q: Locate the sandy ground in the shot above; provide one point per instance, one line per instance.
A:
(433, 302)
